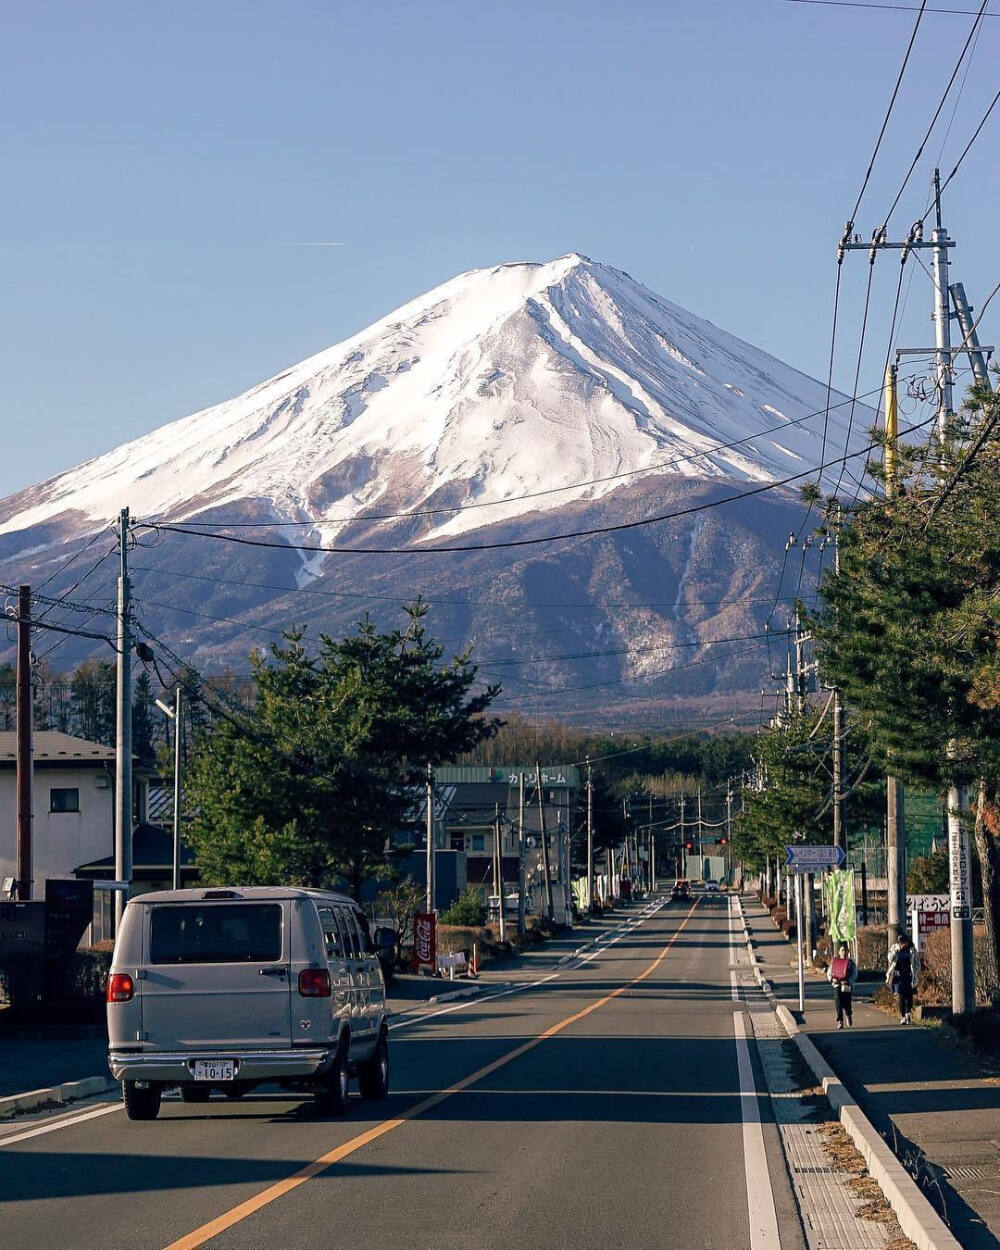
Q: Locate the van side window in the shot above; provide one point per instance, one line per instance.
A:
(331, 933)
(350, 933)
(367, 945)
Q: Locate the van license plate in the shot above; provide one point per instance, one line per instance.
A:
(214, 1070)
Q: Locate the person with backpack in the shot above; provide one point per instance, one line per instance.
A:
(842, 974)
(902, 974)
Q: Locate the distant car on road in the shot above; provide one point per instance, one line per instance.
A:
(681, 893)
(712, 887)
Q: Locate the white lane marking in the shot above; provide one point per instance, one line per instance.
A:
(620, 933)
(734, 988)
(62, 1123)
(760, 1198)
(52, 1126)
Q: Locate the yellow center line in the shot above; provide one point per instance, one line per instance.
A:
(273, 1192)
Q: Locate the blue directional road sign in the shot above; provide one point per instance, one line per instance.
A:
(814, 858)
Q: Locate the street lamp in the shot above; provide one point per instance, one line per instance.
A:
(174, 714)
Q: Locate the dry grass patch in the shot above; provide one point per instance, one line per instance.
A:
(845, 1157)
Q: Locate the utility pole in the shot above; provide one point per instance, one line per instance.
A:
(942, 314)
(683, 855)
(729, 829)
(520, 855)
(546, 868)
(429, 902)
(590, 839)
(701, 866)
(970, 339)
(123, 729)
(963, 997)
(939, 243)
(895, 836)
(498, 856)
(178, 745)
(174, 713)
(838, 717)
(25, 745)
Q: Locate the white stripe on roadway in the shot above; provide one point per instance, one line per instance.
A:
(51, 1127)
(760, 1197)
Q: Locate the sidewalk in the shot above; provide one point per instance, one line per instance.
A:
(926, 1095)
(37, 1059)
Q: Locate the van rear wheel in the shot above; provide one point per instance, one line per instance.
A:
(142, 1099)
(331, 1095)
(373, 1074)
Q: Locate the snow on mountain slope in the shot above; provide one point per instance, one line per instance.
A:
(500, 384)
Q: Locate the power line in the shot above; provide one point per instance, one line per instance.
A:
(456, 509)
(516, 542)
(889, 8)
(885, 120)
(937, 112)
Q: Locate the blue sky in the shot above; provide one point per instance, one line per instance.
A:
(173, 173)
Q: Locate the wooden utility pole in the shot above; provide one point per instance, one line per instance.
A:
(498, 877)
(123, 730)
(590, 839)
(429, 821)
(546, 868)
(520, 855)
(25, 744)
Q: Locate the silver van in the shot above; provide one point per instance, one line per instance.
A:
(227, 989)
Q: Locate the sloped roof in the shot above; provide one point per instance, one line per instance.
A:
(50, 745)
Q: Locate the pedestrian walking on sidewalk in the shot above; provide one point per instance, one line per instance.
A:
(842, 973)
(902, 974)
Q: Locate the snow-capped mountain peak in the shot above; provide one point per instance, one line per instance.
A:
(492, 389)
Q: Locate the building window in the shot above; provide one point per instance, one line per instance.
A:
(478, 842)
(64, 800)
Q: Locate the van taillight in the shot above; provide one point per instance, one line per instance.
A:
(314, 983)
(120, 988)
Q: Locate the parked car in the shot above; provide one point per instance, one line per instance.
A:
(228, 989)
(681, 892)
(711, 886)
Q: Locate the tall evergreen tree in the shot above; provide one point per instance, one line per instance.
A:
(325, 771)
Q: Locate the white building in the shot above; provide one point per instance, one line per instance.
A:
(73, 805)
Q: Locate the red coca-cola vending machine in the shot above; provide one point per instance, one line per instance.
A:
(424, 941)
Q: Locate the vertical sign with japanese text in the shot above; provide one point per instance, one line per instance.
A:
(960, 869)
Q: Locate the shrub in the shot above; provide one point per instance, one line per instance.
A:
(936, 966)
(873, 948)
(468, 910)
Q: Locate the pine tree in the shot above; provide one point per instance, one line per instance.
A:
(312, 788)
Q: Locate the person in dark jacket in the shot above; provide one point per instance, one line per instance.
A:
(842, 973)
(902, 974)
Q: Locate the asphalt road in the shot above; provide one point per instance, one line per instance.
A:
(601, 1108)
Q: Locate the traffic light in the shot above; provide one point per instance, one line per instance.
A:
(689, 845)
(722, 841)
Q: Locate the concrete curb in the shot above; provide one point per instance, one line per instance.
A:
(917, 1218)
(69, 1091)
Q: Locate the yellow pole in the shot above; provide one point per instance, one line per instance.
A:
(891, 430)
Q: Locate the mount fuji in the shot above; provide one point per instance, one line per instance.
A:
(509, 404)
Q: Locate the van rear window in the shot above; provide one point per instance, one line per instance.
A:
(215, 933)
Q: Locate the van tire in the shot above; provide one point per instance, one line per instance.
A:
(373, 1074)
(331, 1095)
(141, 1104)
(196, 1093)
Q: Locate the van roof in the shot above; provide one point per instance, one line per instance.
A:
(239, 893)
